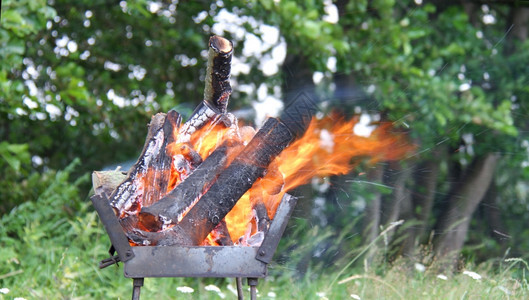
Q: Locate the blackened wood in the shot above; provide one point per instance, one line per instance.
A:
(204, 113)
(262, 221)
(168, 209)
(218, 89)
(126, 194)
(261, 216)
(235, 180)
(155, 182)
(169, 237)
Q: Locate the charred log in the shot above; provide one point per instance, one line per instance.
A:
(261, 216)
(216, 92)
(218, 89)
(157, 179)
(223, 237)
(169, 209)
(126, 196)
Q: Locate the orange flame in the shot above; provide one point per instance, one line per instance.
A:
(329, 147)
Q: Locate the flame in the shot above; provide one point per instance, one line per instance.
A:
(329, 147)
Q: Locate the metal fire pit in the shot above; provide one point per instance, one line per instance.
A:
(192, 261)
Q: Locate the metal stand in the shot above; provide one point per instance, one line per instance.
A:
(252, 282)
(193, 261)
(137, 283)
(240, 292)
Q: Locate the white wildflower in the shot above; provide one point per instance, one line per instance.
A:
(474, 275)
(271, 294)
(4, 291)
(442, 277)
(185, 289)
(420, 267)
(321, 295)
(355, 296)
(214, 288)
(232, 289)
(505, 290)
(19, 298)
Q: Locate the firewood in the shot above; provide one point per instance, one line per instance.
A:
(218, 87)
(128, 196)
(236, 179)
(156, 180)
(222, 235)
(250, 164)
(216, 92)
(169, 209)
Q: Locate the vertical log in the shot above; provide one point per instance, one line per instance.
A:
(218, 87)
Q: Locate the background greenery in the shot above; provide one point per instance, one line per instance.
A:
(79, 81)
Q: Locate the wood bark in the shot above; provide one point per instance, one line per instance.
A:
(218, 89)
(454, 222)
(224, 193)
(126, 196)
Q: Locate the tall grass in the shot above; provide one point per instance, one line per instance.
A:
(50, 248)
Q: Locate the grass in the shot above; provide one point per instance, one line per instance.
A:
(50, 249)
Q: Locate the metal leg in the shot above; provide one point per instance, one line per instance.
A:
(240, 292)
(137, 283)
(252, 282)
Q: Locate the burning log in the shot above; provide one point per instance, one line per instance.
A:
(217, 90)
(235, 180)
(251, 164)
(170, 208)
(218, 87)
(126, 197)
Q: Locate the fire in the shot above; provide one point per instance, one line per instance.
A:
(329, 147)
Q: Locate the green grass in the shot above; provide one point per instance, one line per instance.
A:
(50, 249)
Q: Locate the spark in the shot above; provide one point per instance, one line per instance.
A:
(504, 36)
(372, 183)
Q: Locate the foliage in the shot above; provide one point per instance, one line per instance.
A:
(49, 248)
